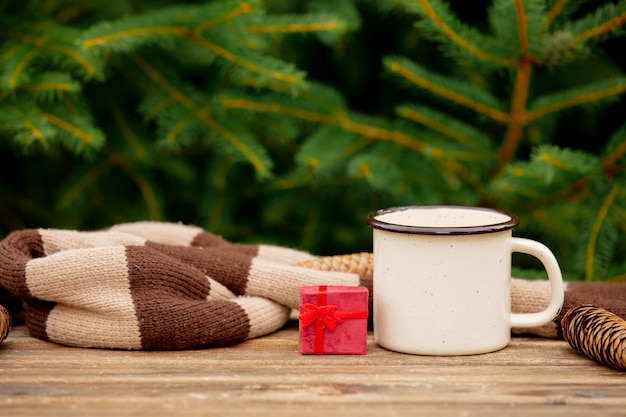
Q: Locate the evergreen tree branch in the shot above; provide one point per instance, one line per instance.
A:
(606, 19)
(377, 132)
(441, 19)
(517, 118)
(342, 120)
(364, 129)
(139, 150)
(15, 64)
(45, 42)
(294, 79)
(178, 127)
(87, 179)
(140, 32)
(276, 108)
(202, 114)
(56, 88)
(87, 138)
(556, 9)
(445, 125)
(592, 92)
(146, 189)
(156, 107)
(459, 93)
(291, 24)
(601, 218)
(522, 29)
(50, 86)
(169, 28)
(24, 120)
(241, 9)
(610, 160)
(616, 149)
(185, 33)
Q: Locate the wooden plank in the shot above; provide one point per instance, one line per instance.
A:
(268, 376)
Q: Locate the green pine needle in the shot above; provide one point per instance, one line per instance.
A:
(446, 125)
(607, 21)
(588, 94)
(458, 92)
(459, 40)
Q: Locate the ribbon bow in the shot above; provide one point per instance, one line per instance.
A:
(309, 313)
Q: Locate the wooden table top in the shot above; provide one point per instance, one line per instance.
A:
(269, 376)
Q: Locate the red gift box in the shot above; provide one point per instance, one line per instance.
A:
(333, 320)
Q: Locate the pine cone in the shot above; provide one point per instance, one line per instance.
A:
(357, 263)
(597, 334)
(5, 323)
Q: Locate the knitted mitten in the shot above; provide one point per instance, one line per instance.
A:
(157, 286)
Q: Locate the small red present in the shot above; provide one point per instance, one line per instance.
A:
(333, 320)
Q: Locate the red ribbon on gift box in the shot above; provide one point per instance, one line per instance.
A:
(325, 316)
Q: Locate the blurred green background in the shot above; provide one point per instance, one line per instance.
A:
(189, 120)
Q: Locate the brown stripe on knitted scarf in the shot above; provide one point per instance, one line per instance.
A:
(16, 250)
(170, 296)
(223, 264)
(36, 316)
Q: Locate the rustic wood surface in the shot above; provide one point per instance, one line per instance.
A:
(269, 376)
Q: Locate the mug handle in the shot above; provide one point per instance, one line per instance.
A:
(541, 252)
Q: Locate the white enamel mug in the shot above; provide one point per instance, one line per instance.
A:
(442, 279)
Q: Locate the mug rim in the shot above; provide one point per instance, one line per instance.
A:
(375, 223)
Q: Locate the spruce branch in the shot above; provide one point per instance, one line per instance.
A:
(610, 160)
(616, 149)
(601, 221)
(556, 9)
(344, 120)
(461, 93)
(519, 28)
(257, 158)
(83, 182)
(132, 138)
(305, 114)
(309, 23)
(607, 19)
(145, 187)
(448, 126)
(72, 128)
(14, 65)
(50, 86)
(325, 152)
(273, 69)
(25, 121)
(196, 25)
(160, 26)
(517, 117)
(522, 31)
(45, 43)
(590, 93)
(441, 24)
(230, 13)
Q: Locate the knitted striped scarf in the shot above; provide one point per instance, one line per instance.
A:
(166, 286)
